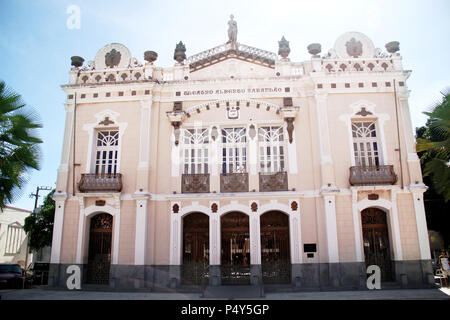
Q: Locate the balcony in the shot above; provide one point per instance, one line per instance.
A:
(234, 182)
(104, 182)
(273, 181)
(195, 183)
(372, 175)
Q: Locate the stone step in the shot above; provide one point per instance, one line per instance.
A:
(233, 292)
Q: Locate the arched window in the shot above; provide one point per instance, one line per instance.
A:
(271, 149)
(365, 143)
(107, 148)
(234, 150)
(196, 143)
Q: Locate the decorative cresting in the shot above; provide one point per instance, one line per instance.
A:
(273, 181)
(195, 183)
(372, 175)
(102, 182)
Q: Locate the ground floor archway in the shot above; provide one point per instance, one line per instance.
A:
(275, 249)
(99, 256)
(235, 248)
(376, 242)
(195, 249)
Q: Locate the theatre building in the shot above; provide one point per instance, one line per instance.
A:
(239, 166)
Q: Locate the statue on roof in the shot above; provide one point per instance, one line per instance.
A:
(232, 30)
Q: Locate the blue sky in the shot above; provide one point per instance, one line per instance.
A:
(36, 44)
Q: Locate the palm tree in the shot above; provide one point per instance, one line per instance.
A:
(433, 142)
(19, 145)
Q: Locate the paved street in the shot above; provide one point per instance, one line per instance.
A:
(46, 294)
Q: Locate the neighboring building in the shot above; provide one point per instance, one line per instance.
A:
(235, 166)
(13, 240)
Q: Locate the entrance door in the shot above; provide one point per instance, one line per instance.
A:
(376, 241)
(275, 250)
(235, 248)
(99, 258)
(195, 249)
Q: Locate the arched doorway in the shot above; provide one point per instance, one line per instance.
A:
(99, 257)
(376, 241)
(195, 249)
(275, 249)
(235, 248)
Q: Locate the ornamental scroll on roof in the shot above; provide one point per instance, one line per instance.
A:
(231, 49)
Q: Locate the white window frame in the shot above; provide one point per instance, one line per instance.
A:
(236, 145)
(361, 144)
(108, 151)
(271, 149)
(195, 153)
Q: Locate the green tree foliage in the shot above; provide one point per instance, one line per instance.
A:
(39, 227)
(433, 145)
(19, 145)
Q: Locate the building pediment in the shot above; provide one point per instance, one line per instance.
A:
(234, 51)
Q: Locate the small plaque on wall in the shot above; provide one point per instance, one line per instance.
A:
(100, 203)
(373, 196)
(309, 247)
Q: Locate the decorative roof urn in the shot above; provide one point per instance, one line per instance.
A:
(314, 49)
(77, 61)
(393, 46)
(150, 56)
(283, 48)
(180, 53)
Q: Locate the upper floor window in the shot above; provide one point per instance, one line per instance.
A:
(106, 151)
(234, 150)
(365, 143)
(271, 149)
(196, 143)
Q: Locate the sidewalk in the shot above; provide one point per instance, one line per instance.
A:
(404, 294)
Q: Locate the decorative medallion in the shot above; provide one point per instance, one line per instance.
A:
(294, 206)
(354, 48)
(214, 207)
(233, 112)
(106, 121)
(175, 208)
(363, 112)
(254, 207)
(112, 58)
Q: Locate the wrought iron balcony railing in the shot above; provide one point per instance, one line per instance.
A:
(195, 183)
(372, 175)
(106, 182)
(234, 182)
(273, 181)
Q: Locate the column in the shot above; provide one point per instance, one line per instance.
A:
(140, 246)
(357, 229)
(143, 169)
(421, 222)
(57, 229)
(398, 254)
(331, 227)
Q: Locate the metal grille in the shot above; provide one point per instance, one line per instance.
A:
(195, 269)
(376, 241)
(275, 250)
(99, 259)
(235, 249)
